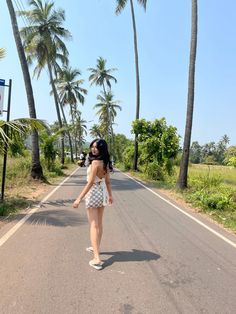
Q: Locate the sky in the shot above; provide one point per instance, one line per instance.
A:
(163, 43)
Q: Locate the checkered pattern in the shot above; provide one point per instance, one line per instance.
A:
(95, 197)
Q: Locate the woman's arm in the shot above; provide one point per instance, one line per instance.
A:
(108, 184)
(94, 167)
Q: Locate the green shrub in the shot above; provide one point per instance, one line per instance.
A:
(155, 172)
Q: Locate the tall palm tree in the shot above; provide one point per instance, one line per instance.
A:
(107, 112)
(101, 76)
(119, 8)
(36, 169)
(80, 131)
(70, 91)
(43, 41)
(183, 174)
(2, 53)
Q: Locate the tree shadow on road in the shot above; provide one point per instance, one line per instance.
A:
(129, 256)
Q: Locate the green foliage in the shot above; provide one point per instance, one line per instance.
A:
(159, 145)
(120, 144)
(11, 205)
(48, 148)
(232, 161)
(128, 157)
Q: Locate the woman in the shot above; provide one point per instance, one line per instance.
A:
(98, 194)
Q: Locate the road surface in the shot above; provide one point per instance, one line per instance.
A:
(158, 257)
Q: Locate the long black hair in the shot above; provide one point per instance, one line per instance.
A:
(103, 154)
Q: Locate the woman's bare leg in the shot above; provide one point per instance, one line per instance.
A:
(100, 225)
(94, 232)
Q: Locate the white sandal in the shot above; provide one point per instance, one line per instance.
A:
(97, 266)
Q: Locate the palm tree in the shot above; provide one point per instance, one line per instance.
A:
(19, 126)
(183, 174)
(107, 112)
(120, 6)
(2, 53)
(70, 91)
(80, 131)
(43, 41)
(100, 75)
(95, 131)
(36, 169)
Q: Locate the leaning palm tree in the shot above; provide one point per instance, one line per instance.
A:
(36, 169)
(2, 53)
(43, 41)
(119, 8)
(183, 174)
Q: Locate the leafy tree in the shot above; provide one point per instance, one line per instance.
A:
(183, 174)
(160, 142)
(121, 142)
(196, 153)
(230, 152)
(36, 168)
(119, 8)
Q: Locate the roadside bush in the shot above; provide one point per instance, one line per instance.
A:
(155, 172)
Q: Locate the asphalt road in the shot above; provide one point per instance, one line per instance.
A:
(157, 258)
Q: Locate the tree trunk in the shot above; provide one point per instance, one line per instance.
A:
(183, 174)
(58, 111)
(135, 163)
(36, 168)
(68, 132)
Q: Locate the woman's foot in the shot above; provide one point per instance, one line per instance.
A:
(98, 265)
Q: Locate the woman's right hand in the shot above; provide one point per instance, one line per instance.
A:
(76, 203)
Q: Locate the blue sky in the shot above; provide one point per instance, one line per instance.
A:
(163, 42)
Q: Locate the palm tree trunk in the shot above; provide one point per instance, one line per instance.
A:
(68, 132)
(135, 163)
(36, 169)
(57, 110)
(183, 174)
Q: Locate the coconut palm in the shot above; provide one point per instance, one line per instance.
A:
(70, 90)
(36, 169)
(183, 174)
(119, 8)
(107, 112)
(95, 131)
(100, 75)
(43, 42)
(80, 131)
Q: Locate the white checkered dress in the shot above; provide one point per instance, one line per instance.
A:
(97, 195)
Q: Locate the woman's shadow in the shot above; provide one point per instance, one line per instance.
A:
(129, 256)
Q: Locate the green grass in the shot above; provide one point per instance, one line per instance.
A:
(20, 189)
(13, 204)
